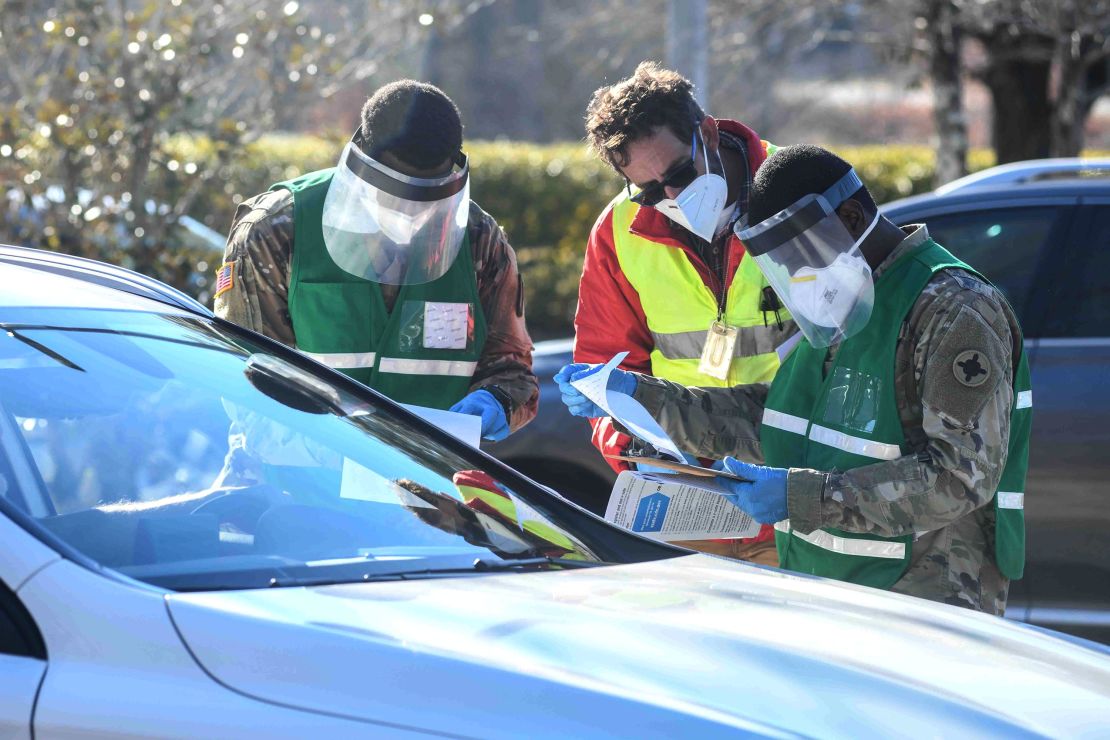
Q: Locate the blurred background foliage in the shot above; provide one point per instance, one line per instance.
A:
(131, 129)
(545, 196)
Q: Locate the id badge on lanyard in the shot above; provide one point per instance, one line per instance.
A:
(716, 357)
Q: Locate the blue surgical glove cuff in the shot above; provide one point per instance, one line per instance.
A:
(764, 497)
(482, 403)
(576, 402)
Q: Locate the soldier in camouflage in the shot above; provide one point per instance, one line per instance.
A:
(260, 253)
(955, 362)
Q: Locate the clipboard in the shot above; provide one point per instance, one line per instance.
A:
(679, 467)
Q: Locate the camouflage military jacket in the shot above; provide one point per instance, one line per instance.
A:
(261, 247)
(959, 435)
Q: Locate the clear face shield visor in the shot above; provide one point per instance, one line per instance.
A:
(815, 265)
(384, 226)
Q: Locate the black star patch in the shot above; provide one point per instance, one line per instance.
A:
(971, 368)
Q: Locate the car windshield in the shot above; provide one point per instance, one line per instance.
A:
(186, 455)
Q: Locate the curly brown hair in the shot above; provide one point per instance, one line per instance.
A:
(636, 107)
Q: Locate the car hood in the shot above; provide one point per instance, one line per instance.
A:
(692, 646)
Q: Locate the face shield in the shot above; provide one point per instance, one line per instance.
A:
(387, 227)
(815, 265)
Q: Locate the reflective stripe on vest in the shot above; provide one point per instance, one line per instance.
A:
(831, 437)
(853, 444)
(343, 360)
(403, 366)
(1024, 400)
(785, 422)
(846, 546)
(688, 345)
(1011, 500)
(679, 308)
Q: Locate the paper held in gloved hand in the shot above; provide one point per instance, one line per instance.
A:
(626, 409)
(671, 507)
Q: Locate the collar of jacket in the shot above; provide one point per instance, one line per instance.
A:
(651, 224)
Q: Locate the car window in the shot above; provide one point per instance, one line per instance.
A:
(181, 455)
(1083, 291)
(1002, 243)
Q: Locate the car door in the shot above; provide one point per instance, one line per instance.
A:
(1068, 550)
(1012, 242)
(22, 652)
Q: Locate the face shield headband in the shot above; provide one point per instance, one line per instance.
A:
(814, 263)
(388, 227)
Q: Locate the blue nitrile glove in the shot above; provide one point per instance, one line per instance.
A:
(765, 497)
(495, 427)
(620, 381)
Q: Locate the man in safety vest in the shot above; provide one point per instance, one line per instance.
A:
(896, 433)
(664, 278)
(398, 279)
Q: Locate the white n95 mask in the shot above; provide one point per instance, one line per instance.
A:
(699, 206)
(826, 295)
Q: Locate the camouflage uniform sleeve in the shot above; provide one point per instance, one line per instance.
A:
(259, 252)
(506, 361)
(960, 389)
(707, 422)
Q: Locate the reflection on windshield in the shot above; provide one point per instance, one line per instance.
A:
(183, 456)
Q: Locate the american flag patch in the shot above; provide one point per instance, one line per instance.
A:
(225, 278)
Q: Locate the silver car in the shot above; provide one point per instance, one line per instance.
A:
(204, 533)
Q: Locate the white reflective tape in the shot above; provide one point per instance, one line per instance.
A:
(851, 546)
(783, 526)
(1011, 500)
(460, 368)
(343, 360)
(785, 422)
(1024, 400)
(855, 445)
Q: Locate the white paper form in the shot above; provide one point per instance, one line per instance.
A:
(466, 427)
(669, 507)
(626, 409)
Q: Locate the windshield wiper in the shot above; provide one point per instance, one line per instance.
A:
(496, 565)
(479, 566)
(284, 579)
(57, 357)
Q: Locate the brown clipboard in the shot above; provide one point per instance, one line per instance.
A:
(680, 467)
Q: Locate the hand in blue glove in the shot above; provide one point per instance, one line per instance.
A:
(495, 427)
(765, 497)
(620, 380)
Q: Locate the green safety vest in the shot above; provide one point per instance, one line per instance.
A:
(679, 308)
(341, 319)
(848, 417)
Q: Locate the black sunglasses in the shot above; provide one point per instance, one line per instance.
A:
(678, 176)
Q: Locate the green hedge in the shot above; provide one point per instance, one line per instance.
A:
(542, 195)
(546, 198)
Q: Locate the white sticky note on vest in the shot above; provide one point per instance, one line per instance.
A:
(446, 325)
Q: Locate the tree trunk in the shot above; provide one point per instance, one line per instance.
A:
(1017, 75)
(944, 70)
(1082, 79)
